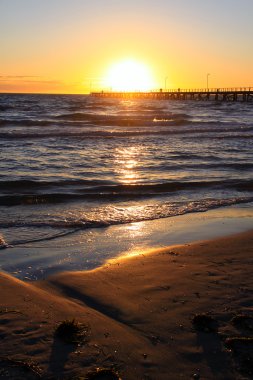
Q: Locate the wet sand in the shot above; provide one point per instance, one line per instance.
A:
(138, 315)
(90, 248)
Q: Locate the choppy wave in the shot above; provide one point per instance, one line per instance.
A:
(27, 184)
(204, 132)
(79, 191)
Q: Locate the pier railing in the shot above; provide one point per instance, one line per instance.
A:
(223, 94)
(215, 89)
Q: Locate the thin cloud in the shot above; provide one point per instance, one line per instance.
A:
(19, 76)
(31, 79)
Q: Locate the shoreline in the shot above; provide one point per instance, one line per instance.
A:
(138, 312)
(89, 249)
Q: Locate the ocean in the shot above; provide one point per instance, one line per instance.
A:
(74, 164)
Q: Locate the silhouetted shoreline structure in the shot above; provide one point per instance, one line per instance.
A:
(243, 94)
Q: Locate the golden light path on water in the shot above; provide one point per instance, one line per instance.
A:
(126, 164)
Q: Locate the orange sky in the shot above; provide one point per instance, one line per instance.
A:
(61, 46)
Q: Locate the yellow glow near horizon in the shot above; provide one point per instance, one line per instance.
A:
(129, 75)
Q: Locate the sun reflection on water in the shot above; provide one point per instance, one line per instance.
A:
(127, 163)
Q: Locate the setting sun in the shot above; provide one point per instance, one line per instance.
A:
(129, 75)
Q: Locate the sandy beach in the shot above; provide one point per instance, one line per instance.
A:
(126, 190)
(180, 312)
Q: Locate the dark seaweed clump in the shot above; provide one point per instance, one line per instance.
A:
(103, 374)
(243, 321)
(71, 332)
(204, 323)
(242, 350)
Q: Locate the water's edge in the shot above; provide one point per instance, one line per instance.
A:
(87, 250)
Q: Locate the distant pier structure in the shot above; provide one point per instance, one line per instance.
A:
(243, 94)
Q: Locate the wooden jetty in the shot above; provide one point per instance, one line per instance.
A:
(243, 94)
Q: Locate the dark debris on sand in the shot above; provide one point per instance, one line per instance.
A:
(102, 374)
(19, 370)
(240, 347)
(242, 351)
(72, 332)
(242, 321)
(205, 323)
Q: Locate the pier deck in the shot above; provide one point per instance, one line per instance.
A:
(243, 94)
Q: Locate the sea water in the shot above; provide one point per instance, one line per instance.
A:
(74, 164)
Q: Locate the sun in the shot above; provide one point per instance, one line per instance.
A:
(129, 75)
